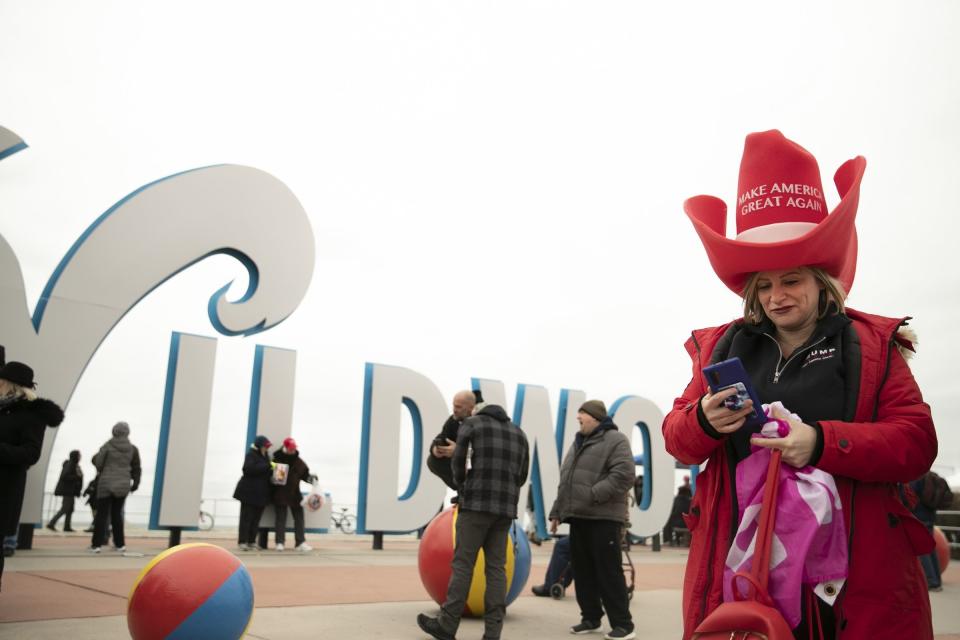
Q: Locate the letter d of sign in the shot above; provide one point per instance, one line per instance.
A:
(381, 507)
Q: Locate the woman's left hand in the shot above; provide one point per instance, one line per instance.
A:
(799, 444)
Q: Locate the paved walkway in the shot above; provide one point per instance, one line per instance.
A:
(342, 589)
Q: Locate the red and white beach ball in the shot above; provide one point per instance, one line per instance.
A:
(191, 591)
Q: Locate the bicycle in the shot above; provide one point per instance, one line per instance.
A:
(205, 522)
(344, 521)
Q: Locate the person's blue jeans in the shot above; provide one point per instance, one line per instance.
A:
(9, 542)
(560, 567)
(931, 564)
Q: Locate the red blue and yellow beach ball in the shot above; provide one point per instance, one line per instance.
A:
(191, 591)
(435, 557)
(942, 548)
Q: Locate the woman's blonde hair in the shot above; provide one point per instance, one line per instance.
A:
(831, 290)
(22, 392)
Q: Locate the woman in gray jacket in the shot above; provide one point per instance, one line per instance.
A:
(118, 463)
(595, 479)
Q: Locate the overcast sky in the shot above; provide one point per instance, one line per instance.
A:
(495, 187)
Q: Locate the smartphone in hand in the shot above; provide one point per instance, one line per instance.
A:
(730, 373)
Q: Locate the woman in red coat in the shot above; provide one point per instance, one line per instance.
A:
(863, 419)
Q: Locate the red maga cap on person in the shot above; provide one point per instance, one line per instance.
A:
(781, 215)
(290, 443)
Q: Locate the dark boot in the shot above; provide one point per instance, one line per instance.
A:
(432, 626)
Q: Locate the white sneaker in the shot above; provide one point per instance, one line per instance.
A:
(304, 547)
(279, 547)
(94, 549)
(119, 549)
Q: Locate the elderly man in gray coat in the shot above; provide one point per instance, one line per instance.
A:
(118, 468)
(595, 478)
(499, 460)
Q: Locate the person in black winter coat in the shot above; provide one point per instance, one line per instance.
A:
(23, 420)
(68, 486)
(288, 497)
(253, 491)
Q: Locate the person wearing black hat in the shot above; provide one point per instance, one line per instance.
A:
(23, 419)
(441, 451)
(253, 491)
(596, 476)
(68, 487)
(118, 466)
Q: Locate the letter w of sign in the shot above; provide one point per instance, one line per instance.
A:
(140, 242)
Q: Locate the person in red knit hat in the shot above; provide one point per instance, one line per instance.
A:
(287, 496)
(843, 372)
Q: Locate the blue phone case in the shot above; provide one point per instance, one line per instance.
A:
(730, 373)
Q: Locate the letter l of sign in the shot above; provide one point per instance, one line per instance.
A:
(184, 428)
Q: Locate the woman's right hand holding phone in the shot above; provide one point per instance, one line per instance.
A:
(720, 418)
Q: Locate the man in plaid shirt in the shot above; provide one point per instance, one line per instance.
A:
(490, 464)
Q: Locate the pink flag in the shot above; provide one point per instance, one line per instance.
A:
(809, 544)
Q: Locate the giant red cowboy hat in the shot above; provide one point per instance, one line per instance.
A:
(782, 219)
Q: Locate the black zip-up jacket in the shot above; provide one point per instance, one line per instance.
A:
(806, 382)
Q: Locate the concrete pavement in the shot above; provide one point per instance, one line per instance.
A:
(342, 589)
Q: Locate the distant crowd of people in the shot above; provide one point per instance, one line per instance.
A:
(485, 458)
(267, 481)
(24, 418)
(118, 468)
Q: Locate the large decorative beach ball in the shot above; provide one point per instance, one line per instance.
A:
(942, 549)
(435, 557)
(191, 591)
